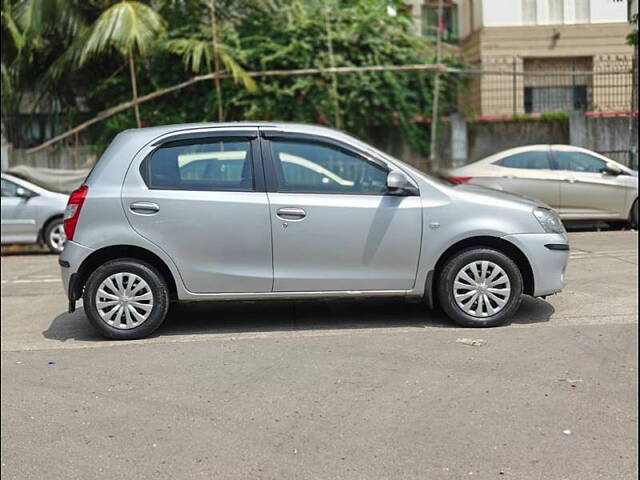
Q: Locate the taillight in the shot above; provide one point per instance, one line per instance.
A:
(72, 212)
(459, 179)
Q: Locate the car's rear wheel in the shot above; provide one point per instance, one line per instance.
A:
(633, 216)
(480, 287)
(54, 236)
(126, 299)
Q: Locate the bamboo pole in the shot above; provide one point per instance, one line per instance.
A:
(432, 165)
(134, 88)
(334, 78)
(216, 59)
(206, 77)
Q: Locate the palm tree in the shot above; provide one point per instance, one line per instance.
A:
(130, 27)
(205, 45)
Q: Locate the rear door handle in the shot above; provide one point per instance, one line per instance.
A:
(145, 208)
(291, 213)
(570, 180)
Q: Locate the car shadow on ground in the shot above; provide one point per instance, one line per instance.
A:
(270, 316)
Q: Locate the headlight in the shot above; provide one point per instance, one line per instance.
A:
(549, 220)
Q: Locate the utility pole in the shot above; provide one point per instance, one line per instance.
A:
(431, 166)
(216, 59)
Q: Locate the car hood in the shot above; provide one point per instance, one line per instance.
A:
(492, 193)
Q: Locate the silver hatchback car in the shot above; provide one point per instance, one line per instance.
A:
(257, 211)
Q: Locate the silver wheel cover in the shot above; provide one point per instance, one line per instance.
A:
(124, 300)
(481, 289)
(57, 237)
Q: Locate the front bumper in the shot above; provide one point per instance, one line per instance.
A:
(547, 257)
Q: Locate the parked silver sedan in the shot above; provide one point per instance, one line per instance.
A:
(578, 183)
(32, 214)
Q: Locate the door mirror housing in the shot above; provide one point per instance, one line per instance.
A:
(611, 169)
(399, 184)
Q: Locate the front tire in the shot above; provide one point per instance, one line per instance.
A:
(54, 236)
(480, 287)
(126, 299)
(633, 216)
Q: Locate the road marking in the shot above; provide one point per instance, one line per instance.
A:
(41, 280)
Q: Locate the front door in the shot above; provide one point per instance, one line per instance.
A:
(199, 201)
(335, 228)
(587, 190)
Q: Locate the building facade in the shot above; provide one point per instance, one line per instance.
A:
(536, 56)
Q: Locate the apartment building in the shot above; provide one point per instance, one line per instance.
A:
(532, 56)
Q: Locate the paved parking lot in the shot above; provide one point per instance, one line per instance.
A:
(358, 389)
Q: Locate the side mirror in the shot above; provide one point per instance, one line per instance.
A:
(611, 169)
(399, 184)
(23, 193)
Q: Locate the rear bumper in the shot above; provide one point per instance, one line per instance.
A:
(548, 254)
(70, 260)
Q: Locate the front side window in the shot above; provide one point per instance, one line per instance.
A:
(579, 162)
(310, 167)
(9, 189)
(535, 160)
(210, 164)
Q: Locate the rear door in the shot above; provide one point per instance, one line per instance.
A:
(530, 173)
(335, 228)
(586, 191)
(202, 201)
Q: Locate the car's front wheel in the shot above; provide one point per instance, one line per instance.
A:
(126, 299)
(480, 287)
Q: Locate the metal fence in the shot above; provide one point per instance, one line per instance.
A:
(517, 86)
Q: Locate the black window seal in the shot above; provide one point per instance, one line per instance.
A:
(271, 175)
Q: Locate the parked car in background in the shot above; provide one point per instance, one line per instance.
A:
(578, 183)
(283, 211)
(32, 214)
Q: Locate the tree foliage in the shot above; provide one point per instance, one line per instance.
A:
(253, 35)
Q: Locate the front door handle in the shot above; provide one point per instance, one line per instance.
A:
(291, 213)
(145, 208)
(570, 180)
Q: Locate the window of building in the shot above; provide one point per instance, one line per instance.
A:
(312, 167)
(556, 11)
(429, 16)
(211, 164)
(582, 10)
(534, 160)
(529, 12)
(557, 84)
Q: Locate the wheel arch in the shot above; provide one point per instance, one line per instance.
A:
(100, 256)
(496, 243)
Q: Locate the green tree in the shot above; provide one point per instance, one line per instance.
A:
(128, 27)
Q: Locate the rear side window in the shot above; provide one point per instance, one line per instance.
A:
(578, 162)
(534, 160)
(209, 164)
(9, 189)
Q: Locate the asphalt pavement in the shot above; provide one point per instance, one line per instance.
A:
(350, 389)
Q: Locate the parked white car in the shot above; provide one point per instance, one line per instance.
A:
(32, 214)
(578, 183)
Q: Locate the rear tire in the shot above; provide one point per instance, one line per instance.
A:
(54, 236)
(475, 277)
(126, 299)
